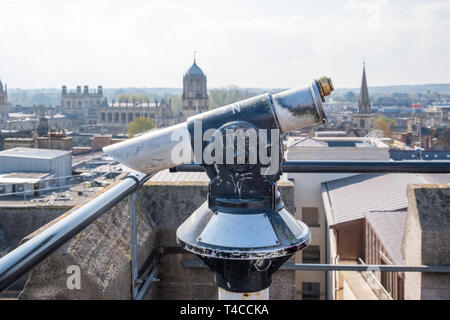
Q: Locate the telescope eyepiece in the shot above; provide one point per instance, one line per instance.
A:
(325, 87)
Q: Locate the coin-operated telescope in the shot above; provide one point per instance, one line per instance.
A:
(242, 232)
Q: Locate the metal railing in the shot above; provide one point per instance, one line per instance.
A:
(372, 281)
(28, 255)
(341, 267)
(25, 257)
(325, 166)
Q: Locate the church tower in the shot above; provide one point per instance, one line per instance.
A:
(4, 106)
(3, 94)
(195, 95)
(364, 101)
(364, 120)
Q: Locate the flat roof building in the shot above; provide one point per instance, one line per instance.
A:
(56, 162)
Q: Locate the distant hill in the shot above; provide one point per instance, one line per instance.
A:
(382, 90)
(52, 96)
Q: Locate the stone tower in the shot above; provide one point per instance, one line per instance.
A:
(4, 106)
(364, 120)
(81, 105)
(3, 94)
(195, 95)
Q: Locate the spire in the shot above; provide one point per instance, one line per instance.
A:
(1, 86)
(364, 100)
(195, 54)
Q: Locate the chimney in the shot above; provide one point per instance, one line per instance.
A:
(86, 90)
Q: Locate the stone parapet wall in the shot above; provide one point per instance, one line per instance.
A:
(427, 241)
(103, 255)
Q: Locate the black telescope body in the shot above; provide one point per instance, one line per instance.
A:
(243, 232)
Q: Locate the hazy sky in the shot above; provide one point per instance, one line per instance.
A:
(267, 44)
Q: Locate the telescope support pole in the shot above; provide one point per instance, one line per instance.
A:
(258, 295)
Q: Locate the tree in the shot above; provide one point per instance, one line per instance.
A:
(351, 97)
(392, 123)
(382, 124)
(135, 98)
(176, 102)
(139, 125)
(123, 98)
(224, 96)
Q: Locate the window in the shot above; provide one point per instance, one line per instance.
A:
(310, 290)
(310, 216)
(362, 123)
(311, 254)
(386, 278)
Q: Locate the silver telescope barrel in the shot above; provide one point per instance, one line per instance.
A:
(154, 150)
(161, 149)
(22, 259)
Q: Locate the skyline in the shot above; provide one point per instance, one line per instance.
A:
(242, 44)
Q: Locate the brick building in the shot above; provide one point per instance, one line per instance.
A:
(89, 107)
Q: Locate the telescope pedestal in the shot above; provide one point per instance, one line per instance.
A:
(258, 295)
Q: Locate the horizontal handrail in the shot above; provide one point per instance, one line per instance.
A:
(22, 259)
(340, 267)
(348, 166)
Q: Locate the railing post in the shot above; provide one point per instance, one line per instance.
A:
(135, 281)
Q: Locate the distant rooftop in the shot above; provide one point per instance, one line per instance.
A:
(306, 142)
(330, 134)
(332, 141)
(33, 153)
(23, 177)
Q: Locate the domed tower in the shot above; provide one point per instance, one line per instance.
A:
(195, 95)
